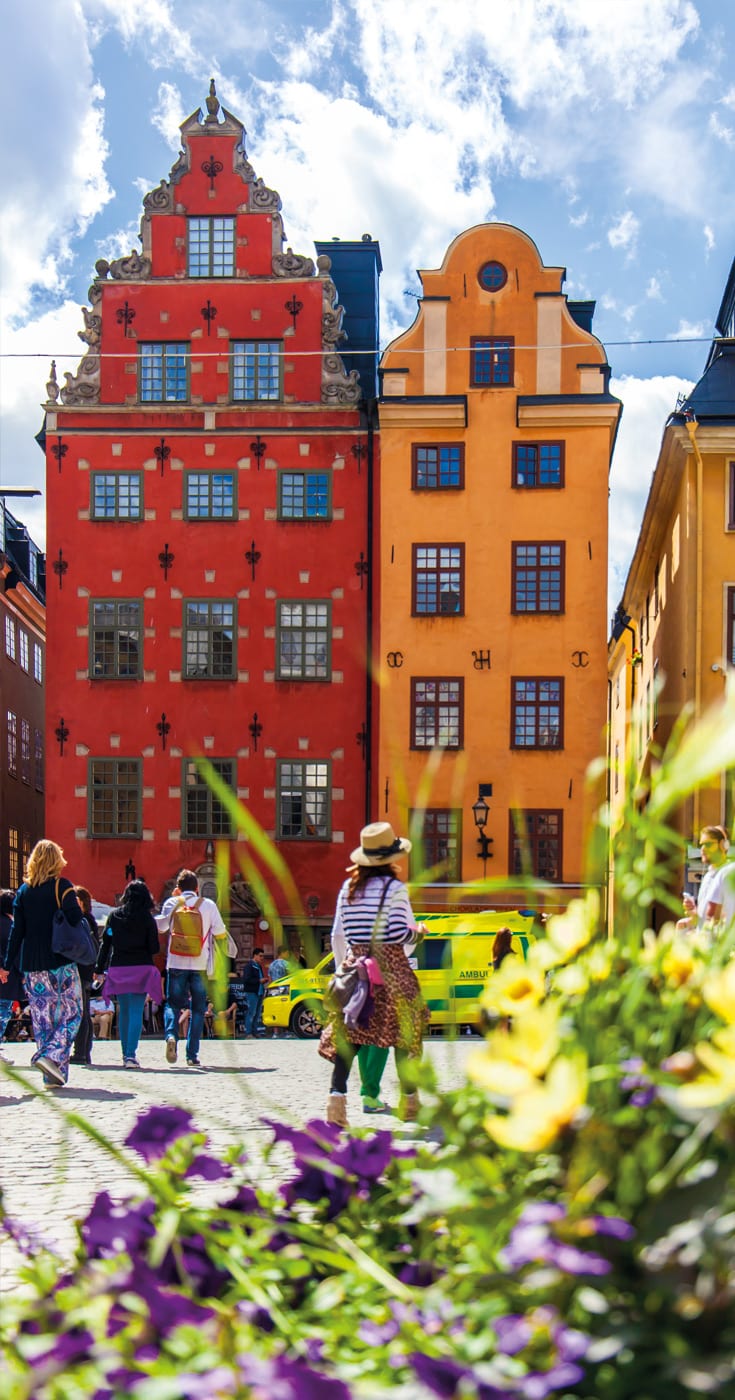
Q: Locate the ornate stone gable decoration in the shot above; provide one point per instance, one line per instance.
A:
(84, 386)
(338, 386)
(290, 264)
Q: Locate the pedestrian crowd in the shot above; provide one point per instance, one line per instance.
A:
(63, 980)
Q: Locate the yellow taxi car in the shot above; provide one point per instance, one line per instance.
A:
(452, 964)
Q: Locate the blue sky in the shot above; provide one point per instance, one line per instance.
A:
(606, 131)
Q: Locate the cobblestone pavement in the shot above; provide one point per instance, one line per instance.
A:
(50, 1171)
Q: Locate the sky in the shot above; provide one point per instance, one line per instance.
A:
(605, 131)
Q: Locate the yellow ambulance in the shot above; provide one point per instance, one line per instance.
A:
(452, 964)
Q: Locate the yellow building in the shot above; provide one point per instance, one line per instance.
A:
(497, 428)
(673, 640)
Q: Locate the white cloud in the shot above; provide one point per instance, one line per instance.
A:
(647, 404)
(579, 220)
(689, 330)
(653, 290)
(720, 131)
(729, 99)
(624, 232)
(709, 237)
(169, 114)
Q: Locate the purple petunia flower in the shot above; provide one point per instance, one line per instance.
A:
(281, 1378)
(167, 1310)
(542, 1213)
(438, 1373)
(366, 1158)
(206, 1279)
(513, 1332)
(419, 1274)
(156, 1128)
(575, 1261)
(531, 1242)
(257, 1316)
(209, 1168)
(313, 1184)
(244, 1199)
(637, 1083)
(538, 1384)
(376, 1334)
(111, 1228)
(613, 1225)
(68, 1347)
(315, 1135)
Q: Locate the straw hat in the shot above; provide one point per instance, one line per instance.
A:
(379, 845)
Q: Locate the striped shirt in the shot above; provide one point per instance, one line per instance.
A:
(363, 920)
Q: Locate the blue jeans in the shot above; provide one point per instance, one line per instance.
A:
(6, 1014)
(130, 1021)
(179, 984)
(253, 1002)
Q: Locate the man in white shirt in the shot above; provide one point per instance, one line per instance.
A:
(713, 844)
(184, 978)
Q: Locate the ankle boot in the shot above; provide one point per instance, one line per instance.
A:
(337, 1110)
(408, 1108)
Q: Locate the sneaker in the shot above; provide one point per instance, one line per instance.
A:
(50, 1069)
(375, 1105)
(171, 1049)
(194, 1064)
(6, 1059)
(130, 1062)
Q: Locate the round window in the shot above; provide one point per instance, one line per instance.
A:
(492, 276)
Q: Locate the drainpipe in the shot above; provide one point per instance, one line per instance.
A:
(370, 413)
(691, 427)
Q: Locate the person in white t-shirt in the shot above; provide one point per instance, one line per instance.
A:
(184, 978)
(713, 844)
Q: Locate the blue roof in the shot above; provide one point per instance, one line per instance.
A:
(713, 397)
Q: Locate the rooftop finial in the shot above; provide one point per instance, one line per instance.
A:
(212, 105)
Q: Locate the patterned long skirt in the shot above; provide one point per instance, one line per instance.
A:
(399, 1016)
(56, 1006)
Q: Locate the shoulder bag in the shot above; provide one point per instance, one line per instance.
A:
(72, 941)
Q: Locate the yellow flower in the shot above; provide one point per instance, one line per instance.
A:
(572, 981)
(538, 1115)
(719, 993)
(514, 988)
(571, 931)
(511, 1061)
(678, 963)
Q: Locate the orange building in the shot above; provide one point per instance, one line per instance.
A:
(497, 428)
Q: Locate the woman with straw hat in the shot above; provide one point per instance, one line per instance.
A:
(374, 920)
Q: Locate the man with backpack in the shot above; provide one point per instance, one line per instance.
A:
(192, 922)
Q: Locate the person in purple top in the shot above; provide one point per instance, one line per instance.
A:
(129, 945)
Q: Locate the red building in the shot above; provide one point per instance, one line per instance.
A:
(208, 472)
(22, 675)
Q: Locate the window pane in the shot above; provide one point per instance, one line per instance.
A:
(209, 640)
(204, 813)
(304, 799)
(116, 496)
(210, 495)
(256, 369)
(163, 377)
(211, 247)
(437, 833)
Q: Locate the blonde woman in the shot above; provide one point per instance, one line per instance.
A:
(51, 981)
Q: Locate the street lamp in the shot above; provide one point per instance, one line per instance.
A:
(481, 812)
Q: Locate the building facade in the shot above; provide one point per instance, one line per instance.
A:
(22, 685)
(673, 642)
(207, 473)
(497, 429)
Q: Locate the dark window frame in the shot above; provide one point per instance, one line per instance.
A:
(730, 625)
(424, 573)
(11, 730)
(539, 446)
(307, 517)
(120, 831)
(11, 641)
(14, 866)
(530, 841)
(40, 767)
(731, 495)
(537, 705)
(210, 220)
(284, 787)
(240, 348)
(118, 630)
(38, 663)
(303, 631)
(217, 824)
(210, 627)
(436, 705)
(540, 568)
(169, 349)
(424, 824)
(210, 514)
(500, 374)
(117, 478)
(439, 485)
(25, 751)
(497, 285)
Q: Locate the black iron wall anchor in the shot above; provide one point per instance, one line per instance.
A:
(253, 557)
(580, 658)
(162, 453)
(59, 450)
(212, 168)
(361, 739)
(358, 452)
(60, 566)
(209, 313)
(395, 660)
(361, 568)
(387, 792)
(481, 660)
(62, 734)
(258, 448)
(294, 307)
(166, 559)
(125, 316)
(164, 728)
(256, 729)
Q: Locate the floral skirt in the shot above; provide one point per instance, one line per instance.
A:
(399, 1016)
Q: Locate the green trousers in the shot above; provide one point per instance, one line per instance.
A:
(371, 1060)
